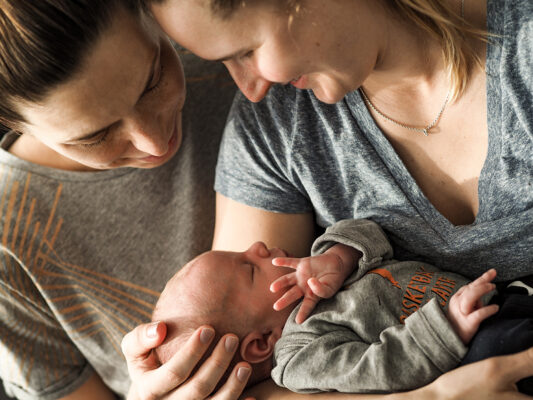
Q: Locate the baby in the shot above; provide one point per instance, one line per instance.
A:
(366, 337)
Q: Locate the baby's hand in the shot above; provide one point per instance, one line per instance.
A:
(466, 311)
(315, 277)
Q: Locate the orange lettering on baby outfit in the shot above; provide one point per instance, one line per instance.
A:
(416, 298)
(421, 279)
(387, 275)
(443, 289)
(418, 288)
(414, 294)
(443, 295)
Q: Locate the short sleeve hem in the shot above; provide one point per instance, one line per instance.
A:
(258, 197)
(59, 389)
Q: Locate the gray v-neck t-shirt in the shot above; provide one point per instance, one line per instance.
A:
(291, 153)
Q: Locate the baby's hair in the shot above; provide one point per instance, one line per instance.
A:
(184, 307)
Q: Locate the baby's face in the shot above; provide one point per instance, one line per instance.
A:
(245, 277)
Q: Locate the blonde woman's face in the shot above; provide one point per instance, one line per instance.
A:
(122, 109)
(317, 46)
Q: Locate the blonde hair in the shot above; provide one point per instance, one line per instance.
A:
(449, 28)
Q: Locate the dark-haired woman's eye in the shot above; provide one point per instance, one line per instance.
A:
(157, 80)
(101, 139)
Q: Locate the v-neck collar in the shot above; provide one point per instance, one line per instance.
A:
(440, 224)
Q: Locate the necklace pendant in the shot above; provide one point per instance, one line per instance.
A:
(425, 131)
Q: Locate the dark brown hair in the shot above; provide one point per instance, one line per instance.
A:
(43, 44)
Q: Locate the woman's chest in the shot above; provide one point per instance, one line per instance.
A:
(447, 172)
(447, 164)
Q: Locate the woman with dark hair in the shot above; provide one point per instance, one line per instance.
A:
(106, 188)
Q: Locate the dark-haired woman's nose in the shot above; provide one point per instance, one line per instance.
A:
(148, 137)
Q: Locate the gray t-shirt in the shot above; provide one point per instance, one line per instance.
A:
(295, 154)
(384, 331)
(85, 254)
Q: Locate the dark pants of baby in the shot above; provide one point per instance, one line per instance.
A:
(507, 332)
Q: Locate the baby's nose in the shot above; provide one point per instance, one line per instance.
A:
(260, 249)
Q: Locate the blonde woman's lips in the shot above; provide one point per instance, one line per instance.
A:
(300, 82)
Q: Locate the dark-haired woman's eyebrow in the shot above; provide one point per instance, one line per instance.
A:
(89, 136)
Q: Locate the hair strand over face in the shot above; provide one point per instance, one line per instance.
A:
(440, 21)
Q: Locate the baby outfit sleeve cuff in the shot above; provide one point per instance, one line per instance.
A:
(435, 336)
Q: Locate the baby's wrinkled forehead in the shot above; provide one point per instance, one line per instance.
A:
(213, 268)
(201, 283)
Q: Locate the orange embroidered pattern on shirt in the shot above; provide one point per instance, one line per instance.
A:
(416, 294)
(387, 275)
(54, 302)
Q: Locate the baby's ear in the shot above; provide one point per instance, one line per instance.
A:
(257, 347)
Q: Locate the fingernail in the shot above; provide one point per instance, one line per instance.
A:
(151, 332)
(231, 344)
(206, 335)
(243, 373)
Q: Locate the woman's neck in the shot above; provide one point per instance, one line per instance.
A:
(408, 59)
(410, 62)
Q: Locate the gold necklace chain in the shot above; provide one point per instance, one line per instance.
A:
(425, 130)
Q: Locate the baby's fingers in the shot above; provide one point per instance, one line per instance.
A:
(471, 296)
(283, 282)
(308, 305)
(319, 288)
(482, 314)
(488, 276)
(286, 262)
(288, 298)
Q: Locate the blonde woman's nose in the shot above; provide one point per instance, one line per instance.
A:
(250, 83)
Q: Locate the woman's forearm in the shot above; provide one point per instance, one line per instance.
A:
(268, 390)
(494, 378)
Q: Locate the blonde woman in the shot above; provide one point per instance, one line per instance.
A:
(413, 113)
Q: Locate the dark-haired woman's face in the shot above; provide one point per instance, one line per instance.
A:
(123, 109)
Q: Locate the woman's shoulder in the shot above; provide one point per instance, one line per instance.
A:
(281, 113)
(512, 24)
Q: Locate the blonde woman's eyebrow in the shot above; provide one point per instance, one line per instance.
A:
(232, 55)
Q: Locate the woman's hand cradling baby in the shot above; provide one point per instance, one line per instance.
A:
(175, 379)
